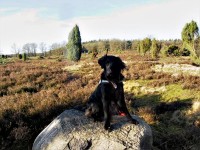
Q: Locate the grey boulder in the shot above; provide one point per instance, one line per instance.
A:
(71, 130)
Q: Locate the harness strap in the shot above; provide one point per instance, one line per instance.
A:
(103, 81)
(106, 81)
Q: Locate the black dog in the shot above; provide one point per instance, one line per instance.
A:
(109, 91)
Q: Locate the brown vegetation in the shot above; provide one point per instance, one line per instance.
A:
(33, 93)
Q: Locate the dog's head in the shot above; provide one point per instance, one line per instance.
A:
(112, 67)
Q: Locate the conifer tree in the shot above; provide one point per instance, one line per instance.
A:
(189, 32)
(145, 45)
(74, 46)
(154, 49)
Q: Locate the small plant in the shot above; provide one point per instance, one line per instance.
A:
(20, 56)
(24, 56)
(94, 51)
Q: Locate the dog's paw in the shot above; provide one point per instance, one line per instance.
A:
(107, 127)
(133, 121)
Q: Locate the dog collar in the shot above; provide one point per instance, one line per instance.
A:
(106, 81)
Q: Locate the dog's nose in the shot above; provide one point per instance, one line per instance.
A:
(109, 73)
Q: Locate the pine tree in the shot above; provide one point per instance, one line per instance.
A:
(189, 32)
(74, 46)
(145, 45)
(154, 49)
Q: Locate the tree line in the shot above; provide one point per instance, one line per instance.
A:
(188, 45)
(33, 49)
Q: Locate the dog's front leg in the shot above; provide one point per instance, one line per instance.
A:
(106, 103)
(106, 114)
(122, 106)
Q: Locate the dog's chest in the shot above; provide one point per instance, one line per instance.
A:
(116, 93)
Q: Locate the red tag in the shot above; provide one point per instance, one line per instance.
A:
(122, 114)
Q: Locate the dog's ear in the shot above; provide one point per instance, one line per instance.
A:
(102, 61)
(121, 63)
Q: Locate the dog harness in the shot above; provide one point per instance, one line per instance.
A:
(115, 86)
(106, 81)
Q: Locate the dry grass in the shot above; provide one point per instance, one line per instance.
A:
(32, 93)
(147, 114)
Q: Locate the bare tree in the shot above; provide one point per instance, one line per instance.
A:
(55, 46)
(43, 48)
(27, 48)
(15, 49)
(33, 48)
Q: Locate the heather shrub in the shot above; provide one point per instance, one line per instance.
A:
(33, 93)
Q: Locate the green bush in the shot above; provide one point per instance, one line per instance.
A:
(24, 56)
(185, 52)
(20, 56)
(154, 49)
(173, 50)
(145, 46)
(163, 51)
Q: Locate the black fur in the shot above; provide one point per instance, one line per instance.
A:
(100, 102)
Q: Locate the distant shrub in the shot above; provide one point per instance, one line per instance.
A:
(20, 56)
(138, 48)
(173, 50)
(40, 57)
(24, 56)
(185, 52)
(154, 49)
(145, 46)
(94, 51)
(163, 51)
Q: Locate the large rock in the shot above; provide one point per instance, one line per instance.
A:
(71, 130)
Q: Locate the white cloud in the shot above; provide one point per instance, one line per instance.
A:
(27, 26)
(163, 21)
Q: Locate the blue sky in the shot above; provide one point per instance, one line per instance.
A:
(67, 9)
(50, 21)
